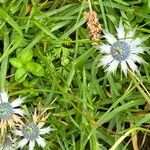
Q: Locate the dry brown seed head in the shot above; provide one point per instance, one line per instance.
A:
(93, 26)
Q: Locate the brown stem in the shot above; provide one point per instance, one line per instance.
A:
(134, 140)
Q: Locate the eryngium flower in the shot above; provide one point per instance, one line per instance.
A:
(8, 144)
(31, 133)
(10, 114)
(122, 50)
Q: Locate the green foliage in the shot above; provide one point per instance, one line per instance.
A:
(16, 62)
(35, 68)
(20, 74)
(25, 65)
(47, 56)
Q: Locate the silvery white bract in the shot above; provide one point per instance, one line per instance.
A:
(10, 113)
(31, 133)
(122, 50)
(8, 144)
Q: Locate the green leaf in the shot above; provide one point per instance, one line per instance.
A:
(26, 56)
(35, 68)
(16, 62)
(11, 21)
(20, 75)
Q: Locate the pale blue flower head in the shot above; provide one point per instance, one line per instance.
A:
(122, 50)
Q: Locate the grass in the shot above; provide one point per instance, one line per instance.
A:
(47, 56)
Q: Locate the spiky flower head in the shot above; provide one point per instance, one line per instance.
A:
(32, 132)
(10, 113)
(123, 50)
(8, 143)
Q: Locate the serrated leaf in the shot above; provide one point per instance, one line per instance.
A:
(26, 56)
(20, 75)
(16, 62)
(35, 68)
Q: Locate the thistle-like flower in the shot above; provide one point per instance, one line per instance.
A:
(122, 50)
(8, 144)
(32, 133)
(10, 114)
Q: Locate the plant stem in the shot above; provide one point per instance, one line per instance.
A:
(90, 6)
(138, 86)
(3, 69)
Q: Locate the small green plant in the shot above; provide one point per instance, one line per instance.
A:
(25, 64)
(93, 100)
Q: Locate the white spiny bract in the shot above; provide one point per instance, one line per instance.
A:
(10, 112)
(31, 134)
(123, 50)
